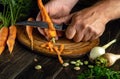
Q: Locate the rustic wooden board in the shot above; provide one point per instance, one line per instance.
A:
(72, 49)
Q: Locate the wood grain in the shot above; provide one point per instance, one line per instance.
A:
(71, 50)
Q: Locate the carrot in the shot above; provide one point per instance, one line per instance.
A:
(50, 32)
(3, 38)
(43, 45)
(29, 31)
(51, 29)
(61, 47)
(11, 37)
(50, 45)
(58, 53)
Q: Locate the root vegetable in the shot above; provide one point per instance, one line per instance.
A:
(98, 51)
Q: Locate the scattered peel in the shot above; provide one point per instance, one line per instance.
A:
(52, 48)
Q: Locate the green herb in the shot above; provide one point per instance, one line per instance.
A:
(5, 15)
(14, 10)
(99, 72)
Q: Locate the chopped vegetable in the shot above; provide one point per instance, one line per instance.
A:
(62, 47)
(65, 64)
(98, 72)
(73, 62)
(58, 53)
(86, 62)
(77, 68)
(38, 67)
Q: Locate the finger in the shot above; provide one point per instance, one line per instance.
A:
(38, 18)
(41, 31)
(78, 36)
(70, 32)
(60, 33)
(87, 34)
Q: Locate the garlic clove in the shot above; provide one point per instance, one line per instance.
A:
(111, 58)
(96, 52)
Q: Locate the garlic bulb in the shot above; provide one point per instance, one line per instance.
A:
(111, 58)
(98, 51)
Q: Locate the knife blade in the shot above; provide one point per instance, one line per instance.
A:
(41, 24)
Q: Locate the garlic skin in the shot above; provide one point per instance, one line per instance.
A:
(96, 52)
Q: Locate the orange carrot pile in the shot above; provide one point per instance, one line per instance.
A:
(3, 38)
(50, 32)
(29, 31)
(11, 37)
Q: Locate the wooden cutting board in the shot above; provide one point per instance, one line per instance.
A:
(71, 50)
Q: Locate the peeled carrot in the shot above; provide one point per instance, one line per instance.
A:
(51, 29)
(3, 38)
(11, 37)
(50, 32)
(29, 30)
(58, 53)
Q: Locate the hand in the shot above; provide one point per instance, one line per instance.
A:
(59, 11)
(88, 24)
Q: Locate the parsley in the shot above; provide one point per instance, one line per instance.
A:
(99, 72)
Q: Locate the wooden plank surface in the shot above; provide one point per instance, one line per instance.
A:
(12, 65)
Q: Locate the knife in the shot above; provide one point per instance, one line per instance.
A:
(41, 24)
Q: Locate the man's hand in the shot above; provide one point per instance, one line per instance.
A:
(89, 23)
(58, 11)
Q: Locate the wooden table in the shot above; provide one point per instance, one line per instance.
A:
(20, 65)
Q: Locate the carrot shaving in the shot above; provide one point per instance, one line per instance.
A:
(58, 53)
(43, 45)
(11, 37)
(3, 38)
(29, 30)
(61, 48)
